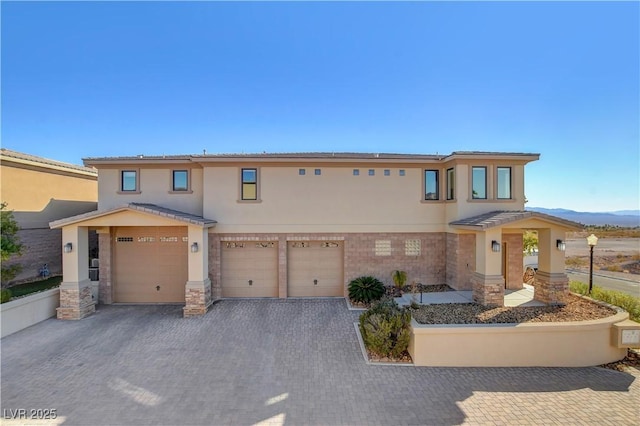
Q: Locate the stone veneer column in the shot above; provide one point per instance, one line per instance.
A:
(551, 288)
(105, 294)
(488, 290)
(75, 301)
(197, 296)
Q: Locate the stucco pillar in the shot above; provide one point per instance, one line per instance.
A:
(487, 281)
(75, 290)
(198, 287)
(551, 282)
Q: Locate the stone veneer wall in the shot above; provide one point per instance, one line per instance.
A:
(460, 260)
(514, 260)
(360, 257)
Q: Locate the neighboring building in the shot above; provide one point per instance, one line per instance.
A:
(38, 191)
(191, 229)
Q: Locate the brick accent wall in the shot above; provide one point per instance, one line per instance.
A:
(105, 293)
(41, 246)
(429, 267)
(460, 260)
(515, 269)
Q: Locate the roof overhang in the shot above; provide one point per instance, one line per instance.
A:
(135, 214)
(515, 219)
(312, 158)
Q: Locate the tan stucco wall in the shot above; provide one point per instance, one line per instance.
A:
(567, 344)
(154, 188)
(38, 196)
(335, 201)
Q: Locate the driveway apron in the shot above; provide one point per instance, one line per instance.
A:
(271, 361)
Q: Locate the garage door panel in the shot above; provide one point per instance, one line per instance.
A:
(315, 269)
(249, 269)
(151, 264)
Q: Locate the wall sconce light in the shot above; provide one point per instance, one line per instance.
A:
(495, 246)
(194, 248)
(68, 248)
(561, 245)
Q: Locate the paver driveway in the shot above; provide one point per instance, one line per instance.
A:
(279, 362)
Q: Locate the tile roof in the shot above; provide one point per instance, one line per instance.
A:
(45, 161)
(498, 218)
(307, 155)
(141, 207)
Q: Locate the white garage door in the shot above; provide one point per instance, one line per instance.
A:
(249, 268)
(150, 264)
(315, 268)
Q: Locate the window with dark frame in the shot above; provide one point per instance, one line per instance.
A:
(504, 183)
(249, 184)
(180, 180)
(431, 185)
(479, 183)
(129, 181)
(451, 184)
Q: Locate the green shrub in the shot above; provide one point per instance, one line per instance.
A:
(385, 328)
(399, 278)
(5, 295)
(365, 289)
(625, 301)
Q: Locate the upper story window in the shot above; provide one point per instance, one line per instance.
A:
(249, 184)
(479, 183)
(317, 172)
(401, 172)
(504, 182)
(356, 172)
(431, 185)
(129, 180)
(387, 172)
(451, 184)
(180, 181)
(302, 172)
(372, 172)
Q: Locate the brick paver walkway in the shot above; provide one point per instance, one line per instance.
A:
(276, 362)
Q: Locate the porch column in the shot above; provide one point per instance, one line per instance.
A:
(75, 290)
(551, 283)
(487, 281)
(198, 288)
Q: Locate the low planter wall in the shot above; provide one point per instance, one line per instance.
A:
(550, 344)
(27, 311)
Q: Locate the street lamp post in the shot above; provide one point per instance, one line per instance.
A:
(592, 240)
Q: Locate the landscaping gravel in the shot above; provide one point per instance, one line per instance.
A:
(576, 309)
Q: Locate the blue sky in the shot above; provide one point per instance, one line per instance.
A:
(120, 78)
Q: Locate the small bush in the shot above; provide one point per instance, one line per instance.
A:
(5, 295)
(385, 328)
(365, 289)
(627, 302)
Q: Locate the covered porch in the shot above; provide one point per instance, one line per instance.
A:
(498, 255)
(147, 254)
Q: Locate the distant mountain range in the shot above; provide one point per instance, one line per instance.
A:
(627, 218)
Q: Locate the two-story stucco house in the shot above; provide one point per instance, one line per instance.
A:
(39, 190)
(194, 228)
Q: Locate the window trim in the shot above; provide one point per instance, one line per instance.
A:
(486, 189)
(424, 184)
(241, 198)
(498, 197)
(450, 187)
(121, 189)
(173, 189)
